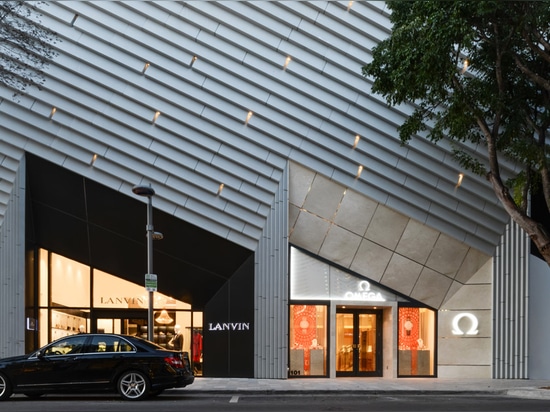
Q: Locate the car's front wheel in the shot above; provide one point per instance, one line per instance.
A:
(5, 387)
(133, 386)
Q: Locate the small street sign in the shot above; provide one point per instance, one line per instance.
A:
(150, 282)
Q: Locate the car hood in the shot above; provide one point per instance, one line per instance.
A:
(13, 359)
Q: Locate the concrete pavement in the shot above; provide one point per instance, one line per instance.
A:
(533, 389)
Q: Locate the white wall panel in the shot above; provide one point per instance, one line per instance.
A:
(309, 112)
(12, 250)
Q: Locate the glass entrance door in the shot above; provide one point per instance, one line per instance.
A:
(358, 342)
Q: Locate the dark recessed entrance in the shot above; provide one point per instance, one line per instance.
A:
(83, 220)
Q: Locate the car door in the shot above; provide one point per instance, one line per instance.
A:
(53, 367)
(106, 353)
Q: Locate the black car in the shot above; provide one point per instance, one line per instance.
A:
(131, 366)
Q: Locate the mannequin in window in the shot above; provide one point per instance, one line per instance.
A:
(176, 342)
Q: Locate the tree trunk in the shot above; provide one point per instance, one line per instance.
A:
(534, 230)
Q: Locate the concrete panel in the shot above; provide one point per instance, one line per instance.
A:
(340, 246)
(465, 324)
(462, 371)
(417, 242)
(301, 179)
(371, 260)
(401, 274)
(355, 212)
(447, 255)
(386, 227)
(324, 197)
(431, 288)
(467, 294)
(309, 232)
(465, 351)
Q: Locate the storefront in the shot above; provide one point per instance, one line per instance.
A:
(342, 324)
(74, 298)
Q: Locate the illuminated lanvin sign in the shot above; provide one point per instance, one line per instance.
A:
(117, 300)
(473, 324)
(364, 292)
(232, 326)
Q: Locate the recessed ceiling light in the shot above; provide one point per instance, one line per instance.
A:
(287, 62)
(155, 117)
(356, 142)
(359, 171)
(459, 181)
(248, 116)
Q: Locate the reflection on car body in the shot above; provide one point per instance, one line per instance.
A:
(134, 367)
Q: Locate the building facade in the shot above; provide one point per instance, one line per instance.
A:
(299, 237)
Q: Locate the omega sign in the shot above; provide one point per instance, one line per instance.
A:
(364, 293)
(473, 324)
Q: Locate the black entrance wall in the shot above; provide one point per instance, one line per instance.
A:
(86, 221)
(229, 327)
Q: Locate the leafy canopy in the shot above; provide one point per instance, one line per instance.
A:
(26, 47)
(476, 72)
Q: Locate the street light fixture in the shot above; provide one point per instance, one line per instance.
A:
(148, 191)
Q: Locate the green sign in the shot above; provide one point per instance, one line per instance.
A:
(150, 282)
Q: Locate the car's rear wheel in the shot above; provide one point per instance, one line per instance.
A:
(133, 386)
(5, 387)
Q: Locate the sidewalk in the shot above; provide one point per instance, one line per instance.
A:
(533, 389)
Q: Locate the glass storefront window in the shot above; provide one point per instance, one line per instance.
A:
(43, 279)
(308, 340)
(416, 341)
(69, 305)
(70, 287)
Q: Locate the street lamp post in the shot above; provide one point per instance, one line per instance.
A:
(142, 190)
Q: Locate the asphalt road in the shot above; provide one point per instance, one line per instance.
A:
(171, 401)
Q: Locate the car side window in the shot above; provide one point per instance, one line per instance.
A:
(68, 346)
(123, 346)
(109, 344)
(102, 344)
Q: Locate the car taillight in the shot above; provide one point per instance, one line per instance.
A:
(174, 362)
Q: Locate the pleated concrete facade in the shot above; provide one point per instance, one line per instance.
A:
(252, 121)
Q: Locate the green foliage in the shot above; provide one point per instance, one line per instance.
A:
(26, 47)
(501, 99)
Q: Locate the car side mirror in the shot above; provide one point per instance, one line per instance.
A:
(40, 355)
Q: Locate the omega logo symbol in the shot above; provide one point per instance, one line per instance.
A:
(363, 286)
(473, 328)
(364, 293)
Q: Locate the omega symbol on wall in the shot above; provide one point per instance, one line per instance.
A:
(473, 324)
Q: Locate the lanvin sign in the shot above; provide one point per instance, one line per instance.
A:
(120, 300)
(230, 326)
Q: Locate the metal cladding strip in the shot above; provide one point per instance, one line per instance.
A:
(127, 82)
(510, 305)
(271, 274)
(12, 260)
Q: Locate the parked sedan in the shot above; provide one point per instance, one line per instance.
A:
(131, 366)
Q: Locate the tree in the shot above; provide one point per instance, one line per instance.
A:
(476, 72)
(26, 47)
